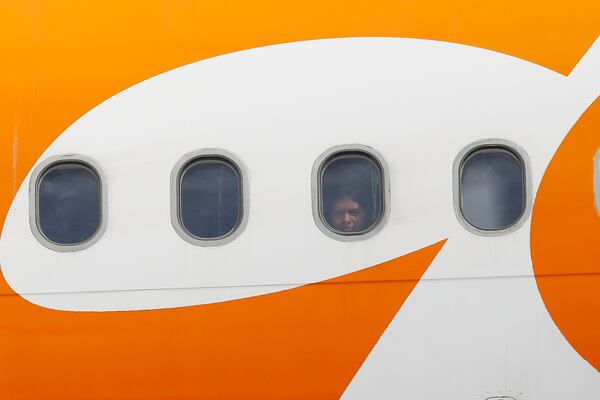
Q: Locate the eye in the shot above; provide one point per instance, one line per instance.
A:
(355, 212)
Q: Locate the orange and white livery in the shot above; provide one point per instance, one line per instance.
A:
(423, 307)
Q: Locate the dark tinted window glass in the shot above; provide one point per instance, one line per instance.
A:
(69, 203)
(492, 188)
(351, 193)
(210, 198)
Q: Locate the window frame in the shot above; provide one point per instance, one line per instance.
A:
(316, 198)
(176, 174)
(521, 155)
(34, 183)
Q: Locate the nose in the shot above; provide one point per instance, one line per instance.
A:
(348, 217)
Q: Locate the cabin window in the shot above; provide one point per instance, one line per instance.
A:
(492, 187)
(68, 206)
(209, 198)
(351, 193)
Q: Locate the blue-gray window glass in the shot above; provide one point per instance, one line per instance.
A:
(492, 188)
(69, 203)
(351, 193)
(210, 197)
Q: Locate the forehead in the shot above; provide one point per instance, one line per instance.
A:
(346, 202)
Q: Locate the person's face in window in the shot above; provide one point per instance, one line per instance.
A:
(347, 215)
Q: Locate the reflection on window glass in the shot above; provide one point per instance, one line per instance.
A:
(351, 193)
(492, 188)
(210, 197)
(69, 203)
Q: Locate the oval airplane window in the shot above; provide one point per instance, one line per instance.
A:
(68, 204)
(492, 188)
(351, 193)
(209, 198)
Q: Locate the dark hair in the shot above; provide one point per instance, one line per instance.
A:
(336, 194)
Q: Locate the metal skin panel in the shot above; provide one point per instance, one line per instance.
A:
(422, 309)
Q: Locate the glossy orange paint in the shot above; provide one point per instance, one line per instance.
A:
(62, 58)
(564, 238)
(302, 343)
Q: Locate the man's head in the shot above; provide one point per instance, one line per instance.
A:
(347, 215)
